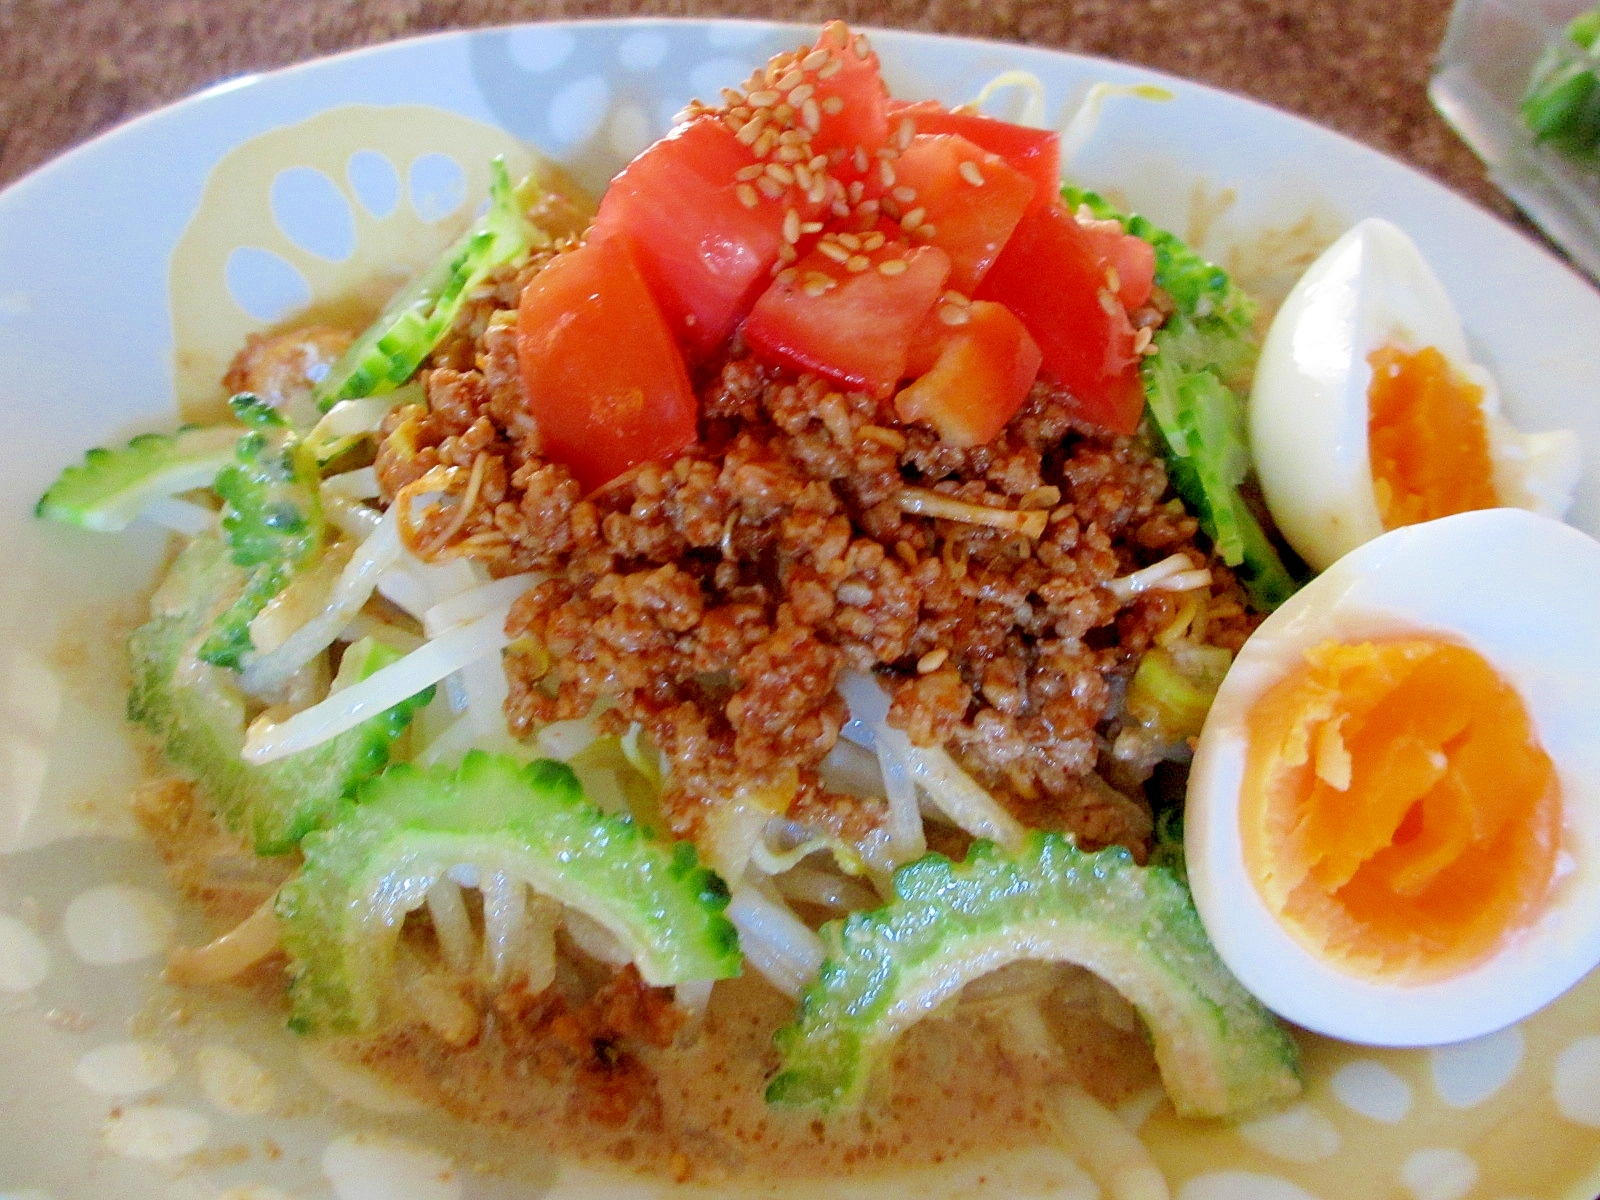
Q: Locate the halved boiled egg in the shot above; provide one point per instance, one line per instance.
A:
(1393, 819)
(1368, 413)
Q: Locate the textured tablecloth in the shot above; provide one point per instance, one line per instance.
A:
(72, 68)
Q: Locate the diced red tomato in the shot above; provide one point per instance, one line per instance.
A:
(1132, 259)
(977, 373)
(1049, 276)
(705, 250)
(852, 103)
(1034, 152)
(971, 200)
(605, 381)
(853, 327)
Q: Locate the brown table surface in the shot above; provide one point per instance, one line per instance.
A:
(72, 68)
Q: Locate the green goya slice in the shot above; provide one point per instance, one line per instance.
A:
(1562, 105)
(390, 350)
(341, 915)
(1218, 1050)
(198, 713)
(272, 520)
(1192, 385)
(111, 487)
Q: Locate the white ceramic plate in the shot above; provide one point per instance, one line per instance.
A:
(131, 267)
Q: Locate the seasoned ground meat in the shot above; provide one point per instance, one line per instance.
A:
(716, 599)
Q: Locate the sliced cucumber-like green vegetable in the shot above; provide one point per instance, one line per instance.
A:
(1218, 1050)
(1204, 352)
(1562, 105)
(111, 487)
(199, 714)
(341, 915)
(405, 333)
(271, 518)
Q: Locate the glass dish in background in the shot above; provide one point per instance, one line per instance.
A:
(1484, 65)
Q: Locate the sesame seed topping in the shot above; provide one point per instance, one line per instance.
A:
(1108, 302)
(731, 98)
(861, 46)
(811, 114)
(886, 172)
(799, 95)
(904, 194)
(848, 240)
(815, 60)
(860, 160)
(1141, 341)
(932, 660)
(770, 187)
(747, 195)
(818, 191)
(969, 172)
(811, 227)
(925, 232)
(753, 171)
(873, 241)
(790, 81)
(833, 105)
(840, 209)
(857, 263)
(830, 68)
(766, 98)
(953, 314)
(790, 153)
(780, 173)
(791, 226)
(951, 296)
(817, 284)
(788, 275)
(913, 218)
(904, 132)
(893, 267)
(833, 250)
(787, 254)
(752, 129)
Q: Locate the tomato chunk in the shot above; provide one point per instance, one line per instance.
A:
(1131, 259)
(704, 248)
(971, 201)
(979, 369)
(1036, 153)
(852, 102)
(1050, 277)
(854, 327)
(605, 381)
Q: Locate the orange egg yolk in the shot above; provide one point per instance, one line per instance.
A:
(1399, 815)
(1426, 438)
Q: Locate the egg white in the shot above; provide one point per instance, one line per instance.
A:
(1308, 404)
(1519, 589)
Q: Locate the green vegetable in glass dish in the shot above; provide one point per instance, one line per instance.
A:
(1562, 104)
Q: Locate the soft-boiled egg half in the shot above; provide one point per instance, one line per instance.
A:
(1393, 818)
(1368, 413)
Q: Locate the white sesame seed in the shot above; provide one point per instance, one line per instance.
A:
(886, 172)
(779, 173)
(830, 68)
(798, 95)
(818, 163)
(753, 171)
(817, 285)
(913, 218)
(1108, 302)
(810, 226)
(953, 314)
(951, 296)
(787, 276)
(731, 97)
(861, 46)
(815, 60)
(833, 105)
(860, 160)
(969, 172)
(833, 250)
(1113, 279)
(765, 143)
(769, 187)
(873, 241)
(747, 195)
(791, 226)
(752, 129)
(790, 153)
(811, 114)
(790, 81)
(766, 98)
(818, 191)
(840, 209)
(932, 660)
(867, 210)
(903, 134)
(1141, 340)
(856, 190)
(893, 266)
(787, 254)
(904, 194)
(857, 263)
(925, 231)
(848, 240)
